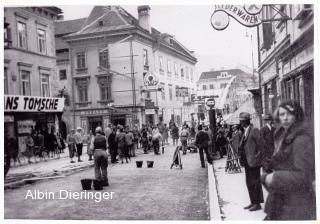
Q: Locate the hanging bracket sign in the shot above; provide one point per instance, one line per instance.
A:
(247, 15)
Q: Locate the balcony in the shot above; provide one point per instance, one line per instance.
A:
(81, 70)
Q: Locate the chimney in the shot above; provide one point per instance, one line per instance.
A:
(144, 17)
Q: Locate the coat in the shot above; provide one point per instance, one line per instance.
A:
(291, 196)
(251, 147)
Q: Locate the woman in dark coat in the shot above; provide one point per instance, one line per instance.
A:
(291, 196)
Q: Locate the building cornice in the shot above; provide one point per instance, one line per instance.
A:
(31, 52)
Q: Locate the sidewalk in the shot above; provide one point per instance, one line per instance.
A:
(233, 194)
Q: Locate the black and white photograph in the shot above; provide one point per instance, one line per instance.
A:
(150, 110)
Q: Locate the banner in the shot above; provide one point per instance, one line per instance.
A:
(247, 15)
(15, 103)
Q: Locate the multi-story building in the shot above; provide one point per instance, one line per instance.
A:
(30, 81)
(228, 86)
(111, 58)
(286, 56)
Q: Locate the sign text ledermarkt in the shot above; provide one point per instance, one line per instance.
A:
(14, 103)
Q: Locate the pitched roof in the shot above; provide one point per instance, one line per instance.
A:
(215, 74)
(64, 27)
(111, 18)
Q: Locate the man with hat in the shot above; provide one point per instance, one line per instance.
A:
(267, 134)
(250, 148)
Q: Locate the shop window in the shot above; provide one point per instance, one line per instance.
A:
(42, 43)
(300, 92)
(45, 85)
(22, 35)
(63, 74)
(5, 84)
(104, 59)
(25, 83)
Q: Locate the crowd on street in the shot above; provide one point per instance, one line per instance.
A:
(283, 148)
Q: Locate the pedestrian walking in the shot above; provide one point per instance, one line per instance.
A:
(156, 139)
(267, 133)
(165, 134)
(88, 141)
(292, 168)
(144, 139)
(251, 147)
(79, 143)
(175, 134)
(113, 145)
(71, 141)
(202, 140)
(100, 157)
(121, 141)
(184, 134)
(130, 143)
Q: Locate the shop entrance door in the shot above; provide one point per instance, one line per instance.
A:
(118, 119)
(94, 122)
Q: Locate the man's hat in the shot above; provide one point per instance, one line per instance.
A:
(244, 116)
(267, 117)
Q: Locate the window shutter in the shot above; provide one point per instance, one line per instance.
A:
(267, 35)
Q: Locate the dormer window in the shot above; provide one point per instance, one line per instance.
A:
(100, 23)
(171, 41)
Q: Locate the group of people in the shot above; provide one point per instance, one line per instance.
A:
(38, 144)
(284, 148)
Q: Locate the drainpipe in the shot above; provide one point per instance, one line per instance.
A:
(72, 86)
(259, 75)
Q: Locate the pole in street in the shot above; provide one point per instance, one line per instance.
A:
(212, 120)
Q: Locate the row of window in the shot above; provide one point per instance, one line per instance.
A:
(25, 83)
(23, 40)
(211, 86)
(103, 59)
(104, 87)
(182, 71)
(170, 88)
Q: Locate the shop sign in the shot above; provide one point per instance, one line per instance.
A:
(149, 104)
(94, 112)
(25, 126)
(247, 15)
(149, 111)
(150, 80)
(15, 103)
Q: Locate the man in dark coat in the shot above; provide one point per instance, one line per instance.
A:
(113, 145)
(267, 133)
(250, 149)
(202, 140)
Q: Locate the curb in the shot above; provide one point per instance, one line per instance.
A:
(215, 212)
(48, 176)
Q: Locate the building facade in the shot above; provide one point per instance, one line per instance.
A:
(228, 86)
(122, 70)
(30, 81)
(286, 56)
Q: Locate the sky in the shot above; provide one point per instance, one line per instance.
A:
(190, 24)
